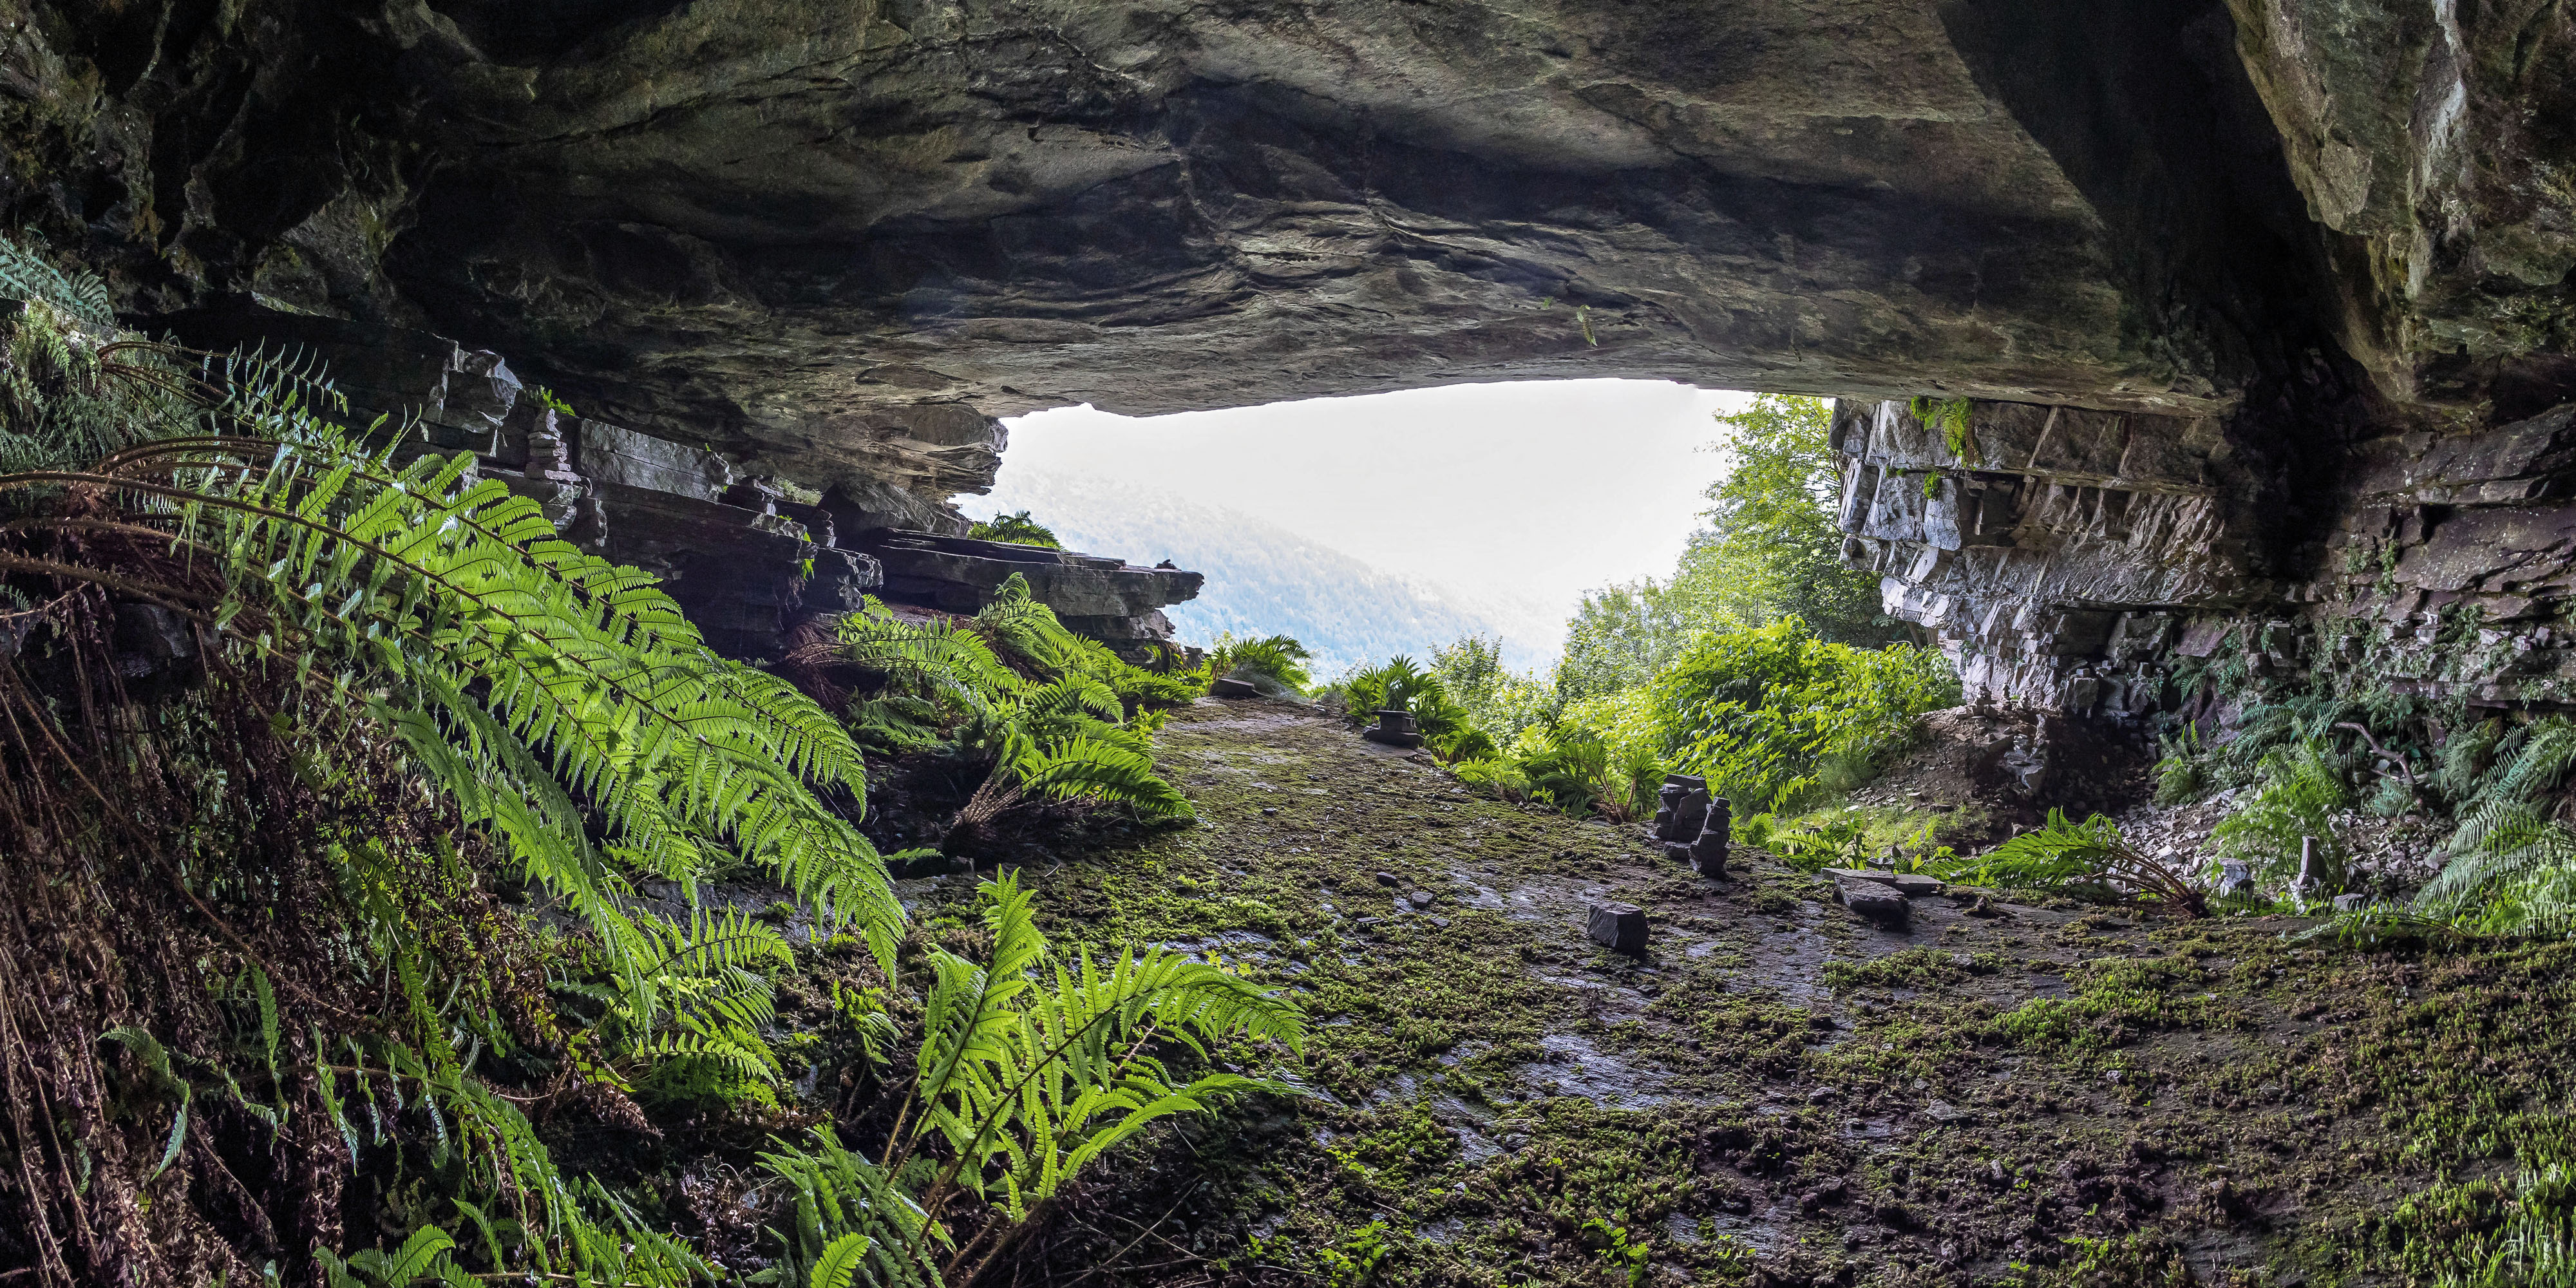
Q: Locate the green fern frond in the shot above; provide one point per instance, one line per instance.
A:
(935, 658)
(839, 1196)
(2089, 859)
(1095, 769)
(1036, 1080)
(28, 274)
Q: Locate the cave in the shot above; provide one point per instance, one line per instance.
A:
(2169, 343)
(2283, 284)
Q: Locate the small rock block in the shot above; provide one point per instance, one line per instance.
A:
(1619, 927)
(1229, 687)
(1874, 900)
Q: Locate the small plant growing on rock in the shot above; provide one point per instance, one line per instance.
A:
(1280, 657)
(1015, 529)
(1615, 1249)
(2086, 860)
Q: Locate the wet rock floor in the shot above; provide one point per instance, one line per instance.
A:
(1778, 1092)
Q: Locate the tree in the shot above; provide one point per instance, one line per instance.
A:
(1772, 549)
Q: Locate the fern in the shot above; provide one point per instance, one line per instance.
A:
(564, 705)
(30, 276)
(838, 1198)
(1047, 709)
(1085, 767)
(709, 980)
(1037, 1080)
(2297, 796)
(1015, 529)
(1950, 417)
(1280, 657)
(2090, 859)
(587, 680)
(1029, 1069)
(936, 659)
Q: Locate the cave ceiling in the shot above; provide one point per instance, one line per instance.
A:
(791, 228)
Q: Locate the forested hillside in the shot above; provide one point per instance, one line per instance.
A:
(1262, 578)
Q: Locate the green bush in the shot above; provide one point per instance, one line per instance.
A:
(1401, 684)
(1278, 656)
(1499, 702)
(2179, 778)
(1499, 776)
(1046, 714)
(1763, 713)
(1016, 529)
(2300, 789)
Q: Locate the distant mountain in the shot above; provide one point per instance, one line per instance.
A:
(1261, 578)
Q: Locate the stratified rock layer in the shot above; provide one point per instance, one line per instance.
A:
(835, 238)
(2125, 564)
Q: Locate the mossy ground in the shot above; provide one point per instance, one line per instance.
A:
(1778, 1093)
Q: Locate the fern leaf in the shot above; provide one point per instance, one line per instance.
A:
(841, 1261)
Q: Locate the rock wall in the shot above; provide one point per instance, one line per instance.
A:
(2122, 564)
(747, 562)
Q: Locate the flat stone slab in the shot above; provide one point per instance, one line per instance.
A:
(1228, 687)
(1875, 900)
(1909, 884)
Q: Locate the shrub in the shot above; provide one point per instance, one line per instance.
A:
(1277, 656)
(2087, 860)
(1045, 712)
(2300, 789)
(1495, 776)
(1016, 529)
(2179, 778)
(1761, 712)
(1499, 702)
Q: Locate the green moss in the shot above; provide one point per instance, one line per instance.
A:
(1757, 1091)
(1910, 968)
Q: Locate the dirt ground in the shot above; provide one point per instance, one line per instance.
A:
(1776, 1092)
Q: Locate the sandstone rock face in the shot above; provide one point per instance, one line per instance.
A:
(835, 237)
(2141, 566)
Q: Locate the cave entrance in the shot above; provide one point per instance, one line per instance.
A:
(1387, 523)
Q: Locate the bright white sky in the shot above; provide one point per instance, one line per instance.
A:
(1520, 495)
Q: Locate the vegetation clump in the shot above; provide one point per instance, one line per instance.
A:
(1763, 665)
(347, 807)
(1006, 700)
(1017, 529)
(1278, 657)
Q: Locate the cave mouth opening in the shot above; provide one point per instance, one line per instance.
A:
(1386, 523)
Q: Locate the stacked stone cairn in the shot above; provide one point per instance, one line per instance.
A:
(1694, 827)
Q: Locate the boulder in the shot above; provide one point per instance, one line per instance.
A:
(1707, 853)
(2235, 880)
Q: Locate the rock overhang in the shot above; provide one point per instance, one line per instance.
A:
(837, 241)
(759, 217)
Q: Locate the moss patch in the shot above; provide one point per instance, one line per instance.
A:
(1776, 1092)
